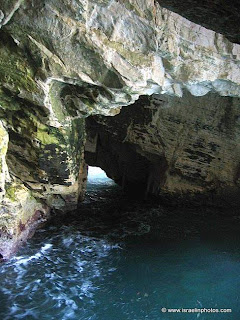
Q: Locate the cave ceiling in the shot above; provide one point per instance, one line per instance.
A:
(222, 16)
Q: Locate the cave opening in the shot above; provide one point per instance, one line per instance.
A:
(97, 175)
(99, 186)
(121, 160)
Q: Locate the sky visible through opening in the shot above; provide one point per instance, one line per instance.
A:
(97, 176)
(96, 173)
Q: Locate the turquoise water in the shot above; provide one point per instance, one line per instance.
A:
(79, 269)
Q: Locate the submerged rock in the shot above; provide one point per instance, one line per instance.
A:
(61, 62)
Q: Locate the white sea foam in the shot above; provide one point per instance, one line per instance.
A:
(23, 260)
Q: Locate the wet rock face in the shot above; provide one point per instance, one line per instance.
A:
(39, 168)
(186, 148)
(63, 61)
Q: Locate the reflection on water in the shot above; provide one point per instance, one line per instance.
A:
(65, 273)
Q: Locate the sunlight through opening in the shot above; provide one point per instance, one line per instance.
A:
(97, 176)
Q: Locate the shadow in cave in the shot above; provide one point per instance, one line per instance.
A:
(107, 208)
(108, 211)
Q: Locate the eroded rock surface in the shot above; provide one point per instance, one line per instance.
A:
(62, 61)
(222, 16)
(184, 149)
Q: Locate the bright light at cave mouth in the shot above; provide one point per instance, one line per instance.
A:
(97, 175)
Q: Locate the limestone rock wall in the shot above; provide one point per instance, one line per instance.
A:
(40, 162)
(114, 51)
(183, 149)
(222, 16)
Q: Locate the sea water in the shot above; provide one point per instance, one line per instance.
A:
(102, 269)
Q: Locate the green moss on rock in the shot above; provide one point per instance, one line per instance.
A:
(45, 136)
(14, 67)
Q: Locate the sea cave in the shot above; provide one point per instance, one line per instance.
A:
(119, 159)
